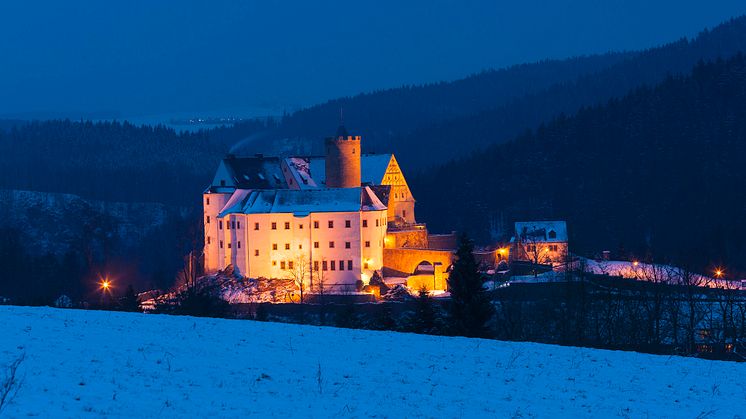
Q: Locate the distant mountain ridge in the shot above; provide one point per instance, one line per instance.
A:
(456, 118)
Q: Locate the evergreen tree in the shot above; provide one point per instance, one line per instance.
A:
(347, 317)
(470, 307)
(424, 320)
(384, 318)
(129, 301)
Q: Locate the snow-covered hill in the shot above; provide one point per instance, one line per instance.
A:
(94, 364)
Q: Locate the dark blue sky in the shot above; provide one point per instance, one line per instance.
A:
(140, 57)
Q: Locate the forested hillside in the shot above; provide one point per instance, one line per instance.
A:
(115, 161)
(453, 119)
(659, 172)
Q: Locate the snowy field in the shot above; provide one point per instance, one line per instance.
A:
(106, 364)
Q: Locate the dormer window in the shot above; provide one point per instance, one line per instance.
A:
(552, 234)
(222, 183)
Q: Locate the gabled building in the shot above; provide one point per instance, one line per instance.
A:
(543, 242)
(310, 218)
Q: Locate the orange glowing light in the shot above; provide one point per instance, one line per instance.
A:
(105, 284)
(635, 263)
(718, 272)
(502, 250)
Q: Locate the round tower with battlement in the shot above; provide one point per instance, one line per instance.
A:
(343, 160)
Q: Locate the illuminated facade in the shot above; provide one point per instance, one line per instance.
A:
(542, 242)
(307, 218)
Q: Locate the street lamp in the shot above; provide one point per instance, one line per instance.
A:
(105, 284)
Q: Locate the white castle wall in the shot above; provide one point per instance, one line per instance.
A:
(250, 248)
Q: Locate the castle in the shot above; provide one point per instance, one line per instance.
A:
(334, 219)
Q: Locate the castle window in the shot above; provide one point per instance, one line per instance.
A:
(377, 221)
(404, 213)
(229, 245)
(347, 224)
(221, 244)
(220, 224)
(331, 245)
(316, 265)
(323, 265)
(238, 224)
(208, 239)
(256, 226)
(208, 219)
(282, 264)
(274, 263)
(349, 265)
(207, 201)
(367, 243)
(300, 226)
(287, 246)
(234, 225)
(365, 223)
(365, 265)
(274, 226)
(227, 224)
(331, 224)
(347, 245)
(239, 245)
(315, 245)
(256, 252)
(274, 246)
(315, 224)
(287, 226)
(290, 264)
(341, 265)
(300, 247)
(333, 265)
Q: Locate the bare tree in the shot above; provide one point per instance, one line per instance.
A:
(318, 287)
(727, 311)
(691, 285)
(298, 270)
(11, 383)
(654, 297)
(187, 276)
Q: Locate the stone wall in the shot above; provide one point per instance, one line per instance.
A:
(412, 239)
(443, 241)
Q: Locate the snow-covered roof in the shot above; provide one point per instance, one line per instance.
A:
(301, 202)
(541, 231)
(250, 173)
(308, 172)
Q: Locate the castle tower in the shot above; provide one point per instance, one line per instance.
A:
(343, 160)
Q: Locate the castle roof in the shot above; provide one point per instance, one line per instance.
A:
(301, 202)
(307, 172)
(541, 231)
(253, 172)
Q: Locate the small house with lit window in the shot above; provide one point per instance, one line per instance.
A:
(542, 242)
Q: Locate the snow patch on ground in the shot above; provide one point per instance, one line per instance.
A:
(88, 363)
